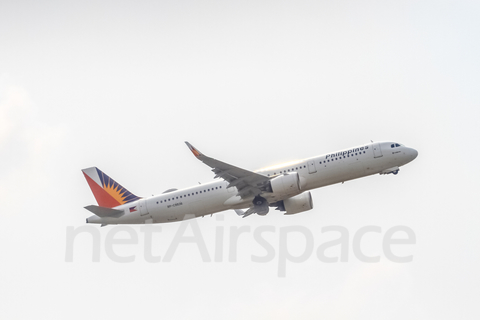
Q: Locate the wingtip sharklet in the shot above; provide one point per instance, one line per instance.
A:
(194, 150)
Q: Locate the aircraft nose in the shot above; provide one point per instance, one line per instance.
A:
(414, 153)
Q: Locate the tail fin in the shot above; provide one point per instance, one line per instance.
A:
(107, 191)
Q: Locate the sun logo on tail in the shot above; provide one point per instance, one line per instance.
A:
(116, 192)
(107, 191)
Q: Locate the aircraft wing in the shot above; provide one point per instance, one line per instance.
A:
(248, 183)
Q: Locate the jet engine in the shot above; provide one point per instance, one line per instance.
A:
(286, 184)
(297, 204)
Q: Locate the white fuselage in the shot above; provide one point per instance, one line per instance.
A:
(214, 196)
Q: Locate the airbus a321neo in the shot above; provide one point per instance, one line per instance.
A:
(284, 187)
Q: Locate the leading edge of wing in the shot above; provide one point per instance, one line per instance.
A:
(235, 176)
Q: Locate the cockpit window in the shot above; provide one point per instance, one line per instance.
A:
(392, 146)
(397, 145)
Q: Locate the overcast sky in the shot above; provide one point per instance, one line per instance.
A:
(122, 84)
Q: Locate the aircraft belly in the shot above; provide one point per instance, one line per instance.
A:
(355, 170)
(197, 208)
(336, 173)
(329, 174)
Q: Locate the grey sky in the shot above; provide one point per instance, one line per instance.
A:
(121, 84)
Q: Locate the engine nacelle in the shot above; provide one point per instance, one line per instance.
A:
(299, 203)
(286, 184)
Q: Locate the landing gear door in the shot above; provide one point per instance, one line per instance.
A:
(311, 166)
(377, 152)
(142, 204)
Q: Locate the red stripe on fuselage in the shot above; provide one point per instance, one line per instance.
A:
(103, 198)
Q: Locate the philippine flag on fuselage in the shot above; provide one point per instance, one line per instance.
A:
(133, 209)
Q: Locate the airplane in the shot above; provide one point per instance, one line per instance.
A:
(284, 187)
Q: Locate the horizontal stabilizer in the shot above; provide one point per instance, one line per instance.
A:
(104, 212)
